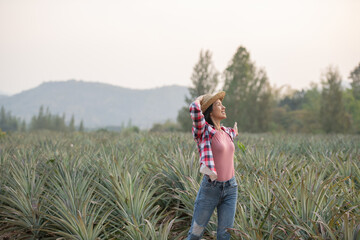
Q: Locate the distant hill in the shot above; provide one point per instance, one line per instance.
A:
(98, 104)
(3, 95)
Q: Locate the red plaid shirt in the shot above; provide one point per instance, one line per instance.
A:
(203, 133)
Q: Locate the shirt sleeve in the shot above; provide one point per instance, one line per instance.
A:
(198, 120)
(232, 132)
(205, 170)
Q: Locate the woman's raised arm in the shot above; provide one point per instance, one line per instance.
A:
(197, 117)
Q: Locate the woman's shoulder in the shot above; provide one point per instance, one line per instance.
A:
(228, 130)
(224, 128)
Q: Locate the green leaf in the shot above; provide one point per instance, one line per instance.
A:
(241, 146)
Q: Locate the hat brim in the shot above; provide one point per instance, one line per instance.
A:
(219, 95)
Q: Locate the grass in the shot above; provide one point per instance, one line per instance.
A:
(143, 186)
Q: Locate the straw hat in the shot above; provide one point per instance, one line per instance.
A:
(209, 99)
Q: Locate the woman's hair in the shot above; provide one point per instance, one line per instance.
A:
(207, 115)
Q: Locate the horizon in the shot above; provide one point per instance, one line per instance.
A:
(2, 93)
(84, 81)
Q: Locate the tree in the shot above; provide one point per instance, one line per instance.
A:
(355, 77)
(204, 79)
(81, 127)
(352, 106)
(298, 111)
(312, 105)
(41, 118)
(72, 124)
(50, 122)
(8, 122)
(3, 119)
(23, 126)
(204, 76)
(295, 101)
(248, 93)
(352, 99)
(332, 111)
(184, 119)
(167, 126)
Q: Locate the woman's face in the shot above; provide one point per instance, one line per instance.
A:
(218, 111)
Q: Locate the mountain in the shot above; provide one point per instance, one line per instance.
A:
(3, 95)
(99, 104)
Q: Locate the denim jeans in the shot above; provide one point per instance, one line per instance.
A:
(223, 196)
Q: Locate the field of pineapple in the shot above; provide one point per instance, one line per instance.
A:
(104, 185)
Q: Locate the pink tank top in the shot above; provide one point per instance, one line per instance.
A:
(223, 150)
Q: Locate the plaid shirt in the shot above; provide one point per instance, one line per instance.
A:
(203, 133)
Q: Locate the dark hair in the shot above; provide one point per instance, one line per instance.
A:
(207, 115)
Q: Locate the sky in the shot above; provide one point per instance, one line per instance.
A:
(146, 44)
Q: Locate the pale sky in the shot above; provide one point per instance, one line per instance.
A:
(152, 43)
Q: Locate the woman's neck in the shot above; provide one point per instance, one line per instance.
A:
(216, 123)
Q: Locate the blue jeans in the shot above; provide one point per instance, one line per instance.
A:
(223, 196)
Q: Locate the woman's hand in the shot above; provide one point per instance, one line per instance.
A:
(199, 99)
(236, 129)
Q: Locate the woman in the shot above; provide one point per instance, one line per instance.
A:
(216, 148)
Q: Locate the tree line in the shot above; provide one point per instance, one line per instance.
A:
(258, 107)
(250, 100)
(43, 120)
